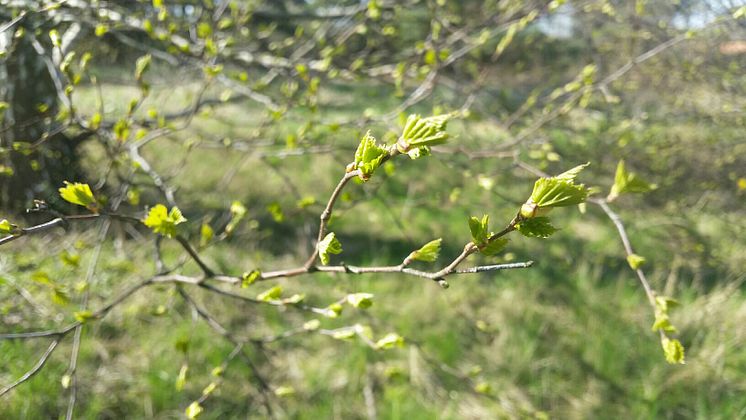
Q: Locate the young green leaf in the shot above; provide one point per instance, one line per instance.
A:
(368, 156)
(553, 192)
(205, 234)
(479, 229)
(250, 277)
(329, 245)
(141, 66)
(558, 191)
(160, 220)
(390, 341)
(673, 350)
(662, 322)
(238, 212)
(7, 228)
(635, 261)
(537, 227)
(360, 300)
(571, 174)
(80, 194)
(194, 410)
(272, 294)
(429, 252)
(421, 133)
(627, 182)
(333, 310)
(494, 246)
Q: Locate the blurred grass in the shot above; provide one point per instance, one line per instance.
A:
(568, 338)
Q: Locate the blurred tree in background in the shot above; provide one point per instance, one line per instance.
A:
(244, 115)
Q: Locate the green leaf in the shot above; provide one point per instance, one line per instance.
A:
(329, 245)
(479, 229)
(194, 410)
(360, 300)
(73, 260)
(344, 334)
(250, 277)
(8, 228)
(483, 388)
(284, 391)
(635, 261)
(558, 191)
(80, 194)
(429, 252)
(238, 212)
(494, 246)
(141, 66)
(368, 156)
(83, 316)
(54, 35)
(673, 350)
(160, 220)
(553, 192)
(205, 234)
(662, 322)
(390, 341)
(272, 294)
(627, 182)
(275, 210)
(537, 227)
(664, 303)
(182, 377)
(571, 174)
(420, 132)
(333, 310)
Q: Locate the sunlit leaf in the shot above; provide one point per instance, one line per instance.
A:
(329, 245)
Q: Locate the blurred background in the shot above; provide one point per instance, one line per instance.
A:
(205, 104)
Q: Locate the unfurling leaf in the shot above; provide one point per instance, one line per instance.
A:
(558, 191)
(194, 410)
(537, 227)
(664, 303)
(429, 252)
(250, 277)
(479, 229)
(662, 322)
(141, 66)
(238, 212)
(329, 245)
(272, 294)
(205, 234)
(421, 133)
(360, 300)
(673, 350)
(494, 246)
(80, 194)
(333, 310)
(635, 261)
(182, 377)
(390, 341)
(160, 220)
(368, 156)
(7, 228)
(627, 182)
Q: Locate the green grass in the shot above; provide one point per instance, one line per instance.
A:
(568, 338)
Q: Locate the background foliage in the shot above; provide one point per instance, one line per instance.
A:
(244, 114)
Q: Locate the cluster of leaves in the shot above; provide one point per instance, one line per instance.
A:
(672, 348)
